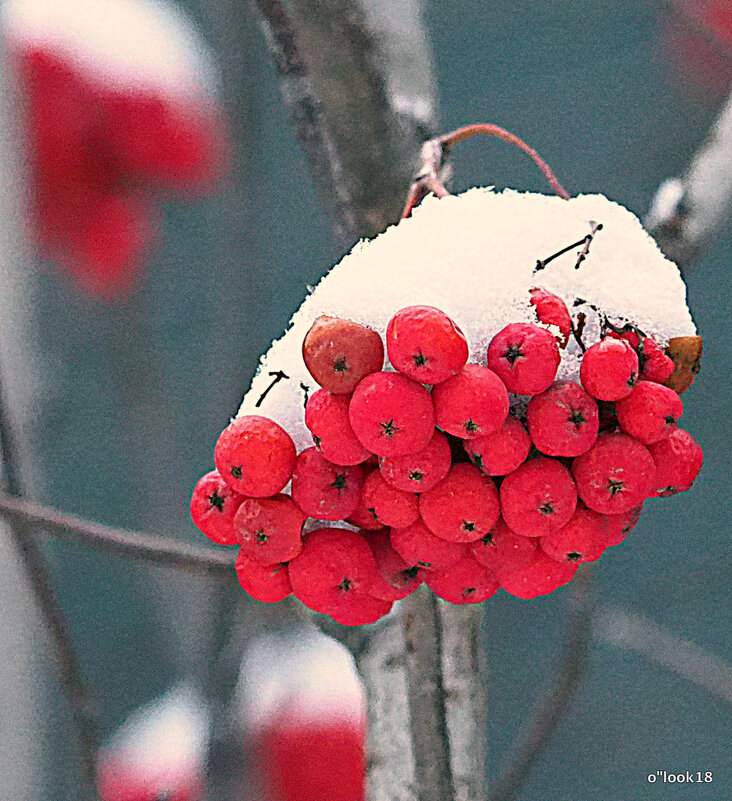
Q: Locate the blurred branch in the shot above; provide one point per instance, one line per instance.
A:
(551, 709)
(156, 550)
(687, 212)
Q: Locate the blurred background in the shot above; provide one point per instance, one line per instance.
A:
(159, 225)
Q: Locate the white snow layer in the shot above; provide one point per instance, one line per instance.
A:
(474, 257)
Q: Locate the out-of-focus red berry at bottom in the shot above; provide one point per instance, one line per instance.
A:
(117, 781)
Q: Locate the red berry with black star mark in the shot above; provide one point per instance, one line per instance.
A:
(418, 546)
(424, 344)
(362, 516)
(678, 459)
(463, 507)
(619, 526)
(582, 539)
(334, 574)
(269, 529)
(472, 403)
(467, 582)
(650, 412)
(390, 506)
(609, 369)
(502, 550)
(501, 452)
(552, 310)
(392, 415)
(340, 353)
(399, 578)
(541, 576)
(418, 472)
(267, 583)
(616, 474)
(538, 498)
(255, 456)
(525, 357)
(564, 420)
(324, 490)
(657, 366)
(326, 417)
(213, 506)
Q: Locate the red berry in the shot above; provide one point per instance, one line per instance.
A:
(538, 498)
(334, 574)
(583, 539)
(650, 412)
(501, 452)
(657, 366)
(466, 582)
(525, 357)
(552, 310)
(678, 459)
(425, 344)
(609, 369)
(339, 353)
(418, 472)
(267, 583)
(362, 516)
(399, 578)
(472, 403)
(390, 506)
(213, 506)
(255, 456)
(323, 490)
(463, 507)
(326, 416)
(391, 414)
(540, 577)
(269, 529)
(417, 545)
(619, 526)
(616, 474)
(564, 420)
(502, 550)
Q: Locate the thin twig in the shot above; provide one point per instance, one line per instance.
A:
(543, 723)
(311, 126)
(156, 550)
(41, 584)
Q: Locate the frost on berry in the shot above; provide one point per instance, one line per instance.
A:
(472, 403)
(678, 459)
(616, 474)
(564, 420)
(424, 344)
(388, 505)
(466, 582)
(399, 578)
(686, 353)
(538, 498)
(269, 529)
(582, 539)
(418, 546)
(213, 506)
(391, 414)
(619, 526)
(255, 456)
(609, 369)
(267, 583)
(650, 412)
(463, 507)
(552, 310)
(525, 357)
(326, 416)
(324, 490)
(339, 353)
(501, 452)
(334, 574)
(541, 576)
(655, 364)
(502, 550)
(420, 471)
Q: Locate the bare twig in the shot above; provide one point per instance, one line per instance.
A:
(549, 713)
(426, 694)
(156, 550)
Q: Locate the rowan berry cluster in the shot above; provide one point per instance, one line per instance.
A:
(438, 477)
